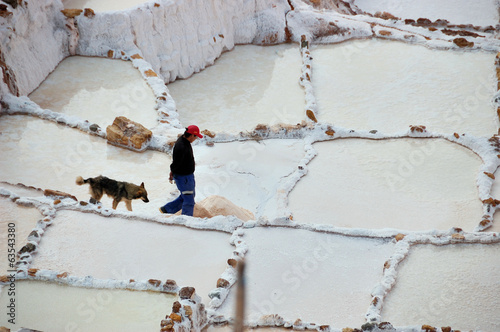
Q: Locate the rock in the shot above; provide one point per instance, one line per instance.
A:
(188, 310)
(170, 284)
(13, 3)
(30, 247)
(71, 13)
(386, 16)
(386, 326)
(94, 127)
(428, 328)
(310, 115)
(128, 134)
(233, 262)
(261, 127)
(4, 279)
(167, 325)
(399, 237)
(462, 42)
(150, 73)
(34, 234)
(154, 282)
(208, 133)
(89, 13)
(187, 293)
(4, 329)
(32, 272)
(446, 329)
(176, 307)
(490, 175)
(485, 222)
(175, 317)
(457, 236)
(424, 21)
(330, 132)
(4, 11)
(223, 283)
(385, 33)
(57, 193)
(368, 326)
(62, 275)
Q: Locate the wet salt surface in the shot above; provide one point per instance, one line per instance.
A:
(114, 248)
(52, 156)
(403, 184)
(480, 12)
(101, 6)
(388, 86)
(248, 173)
(304, 269)
(52, 307)
(24, 220)
(98, 90)
(255, 85)
(456, 285)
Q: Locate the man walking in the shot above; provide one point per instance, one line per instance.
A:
(182, 172)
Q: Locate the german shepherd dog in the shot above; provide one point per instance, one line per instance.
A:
(117, 190)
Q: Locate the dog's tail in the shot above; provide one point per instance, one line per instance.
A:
(80, 181)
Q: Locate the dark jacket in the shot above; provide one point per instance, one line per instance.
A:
(183, 158)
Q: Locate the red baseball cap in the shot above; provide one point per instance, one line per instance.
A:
(194, 130)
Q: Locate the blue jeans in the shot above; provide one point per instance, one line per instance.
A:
(185, 184)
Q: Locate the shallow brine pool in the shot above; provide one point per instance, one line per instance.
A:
(52, 307)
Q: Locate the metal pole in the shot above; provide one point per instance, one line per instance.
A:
(239, 323)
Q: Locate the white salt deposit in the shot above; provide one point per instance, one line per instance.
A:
(52, 307)
(480, 12)
(254, 85)
(114, 248)
(53, 156)
(21, 190)
(402, 184)
(452, 281)
(388, 86)
(98, 90)
(23, 219)
(304, 269)
(101, 6)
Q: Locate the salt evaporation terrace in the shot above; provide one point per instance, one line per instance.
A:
(360, 134)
